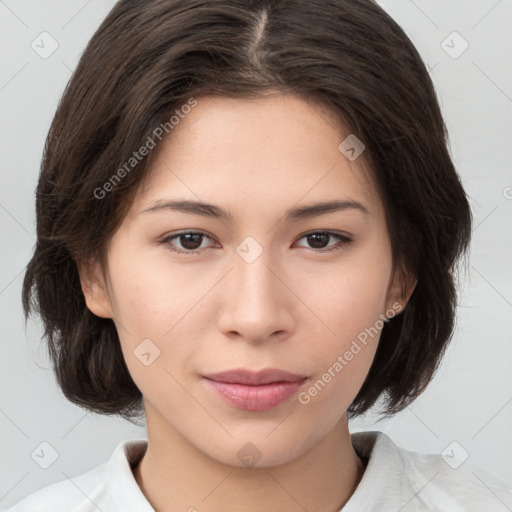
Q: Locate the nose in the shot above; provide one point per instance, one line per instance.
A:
(258, 304)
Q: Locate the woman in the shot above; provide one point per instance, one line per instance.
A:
(248, 223)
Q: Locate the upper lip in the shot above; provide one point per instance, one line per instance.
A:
(243, 376)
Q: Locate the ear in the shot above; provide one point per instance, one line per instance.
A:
(400, 290)
(94, 288)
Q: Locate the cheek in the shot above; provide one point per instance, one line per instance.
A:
(349, 300)
(151, 297)
(349, 304)
(155, 308)
(339, 363)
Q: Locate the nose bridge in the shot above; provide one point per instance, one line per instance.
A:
(257, 303)
(254, 272)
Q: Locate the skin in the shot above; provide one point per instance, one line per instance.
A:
(293, 307)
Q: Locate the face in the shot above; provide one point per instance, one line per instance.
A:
(193, 294)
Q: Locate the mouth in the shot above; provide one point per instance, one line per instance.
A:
(250, 378)
(254, 391)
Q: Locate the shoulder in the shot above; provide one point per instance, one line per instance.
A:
(66, 495)
(108, 487)
(420, 482)
(453, 483)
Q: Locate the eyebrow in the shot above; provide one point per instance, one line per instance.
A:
(302, 212)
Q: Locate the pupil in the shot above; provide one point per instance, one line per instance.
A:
(190, 236)
(315, 237)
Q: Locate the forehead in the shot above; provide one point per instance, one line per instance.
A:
(270, 153)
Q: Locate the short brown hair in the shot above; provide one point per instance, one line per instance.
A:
(147, 59)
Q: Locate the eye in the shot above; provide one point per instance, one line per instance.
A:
(191, 241)
(319, 238)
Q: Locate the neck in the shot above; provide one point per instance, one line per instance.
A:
(175, 476)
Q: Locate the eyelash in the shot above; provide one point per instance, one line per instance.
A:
(342, 238)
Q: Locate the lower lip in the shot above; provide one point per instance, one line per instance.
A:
(255, 398)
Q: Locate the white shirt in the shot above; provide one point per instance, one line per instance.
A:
(395, 480)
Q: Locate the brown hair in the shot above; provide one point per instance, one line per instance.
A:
(146, 60)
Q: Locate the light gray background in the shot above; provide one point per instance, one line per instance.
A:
(470, 400)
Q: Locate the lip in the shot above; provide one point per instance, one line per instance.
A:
(254, 391)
